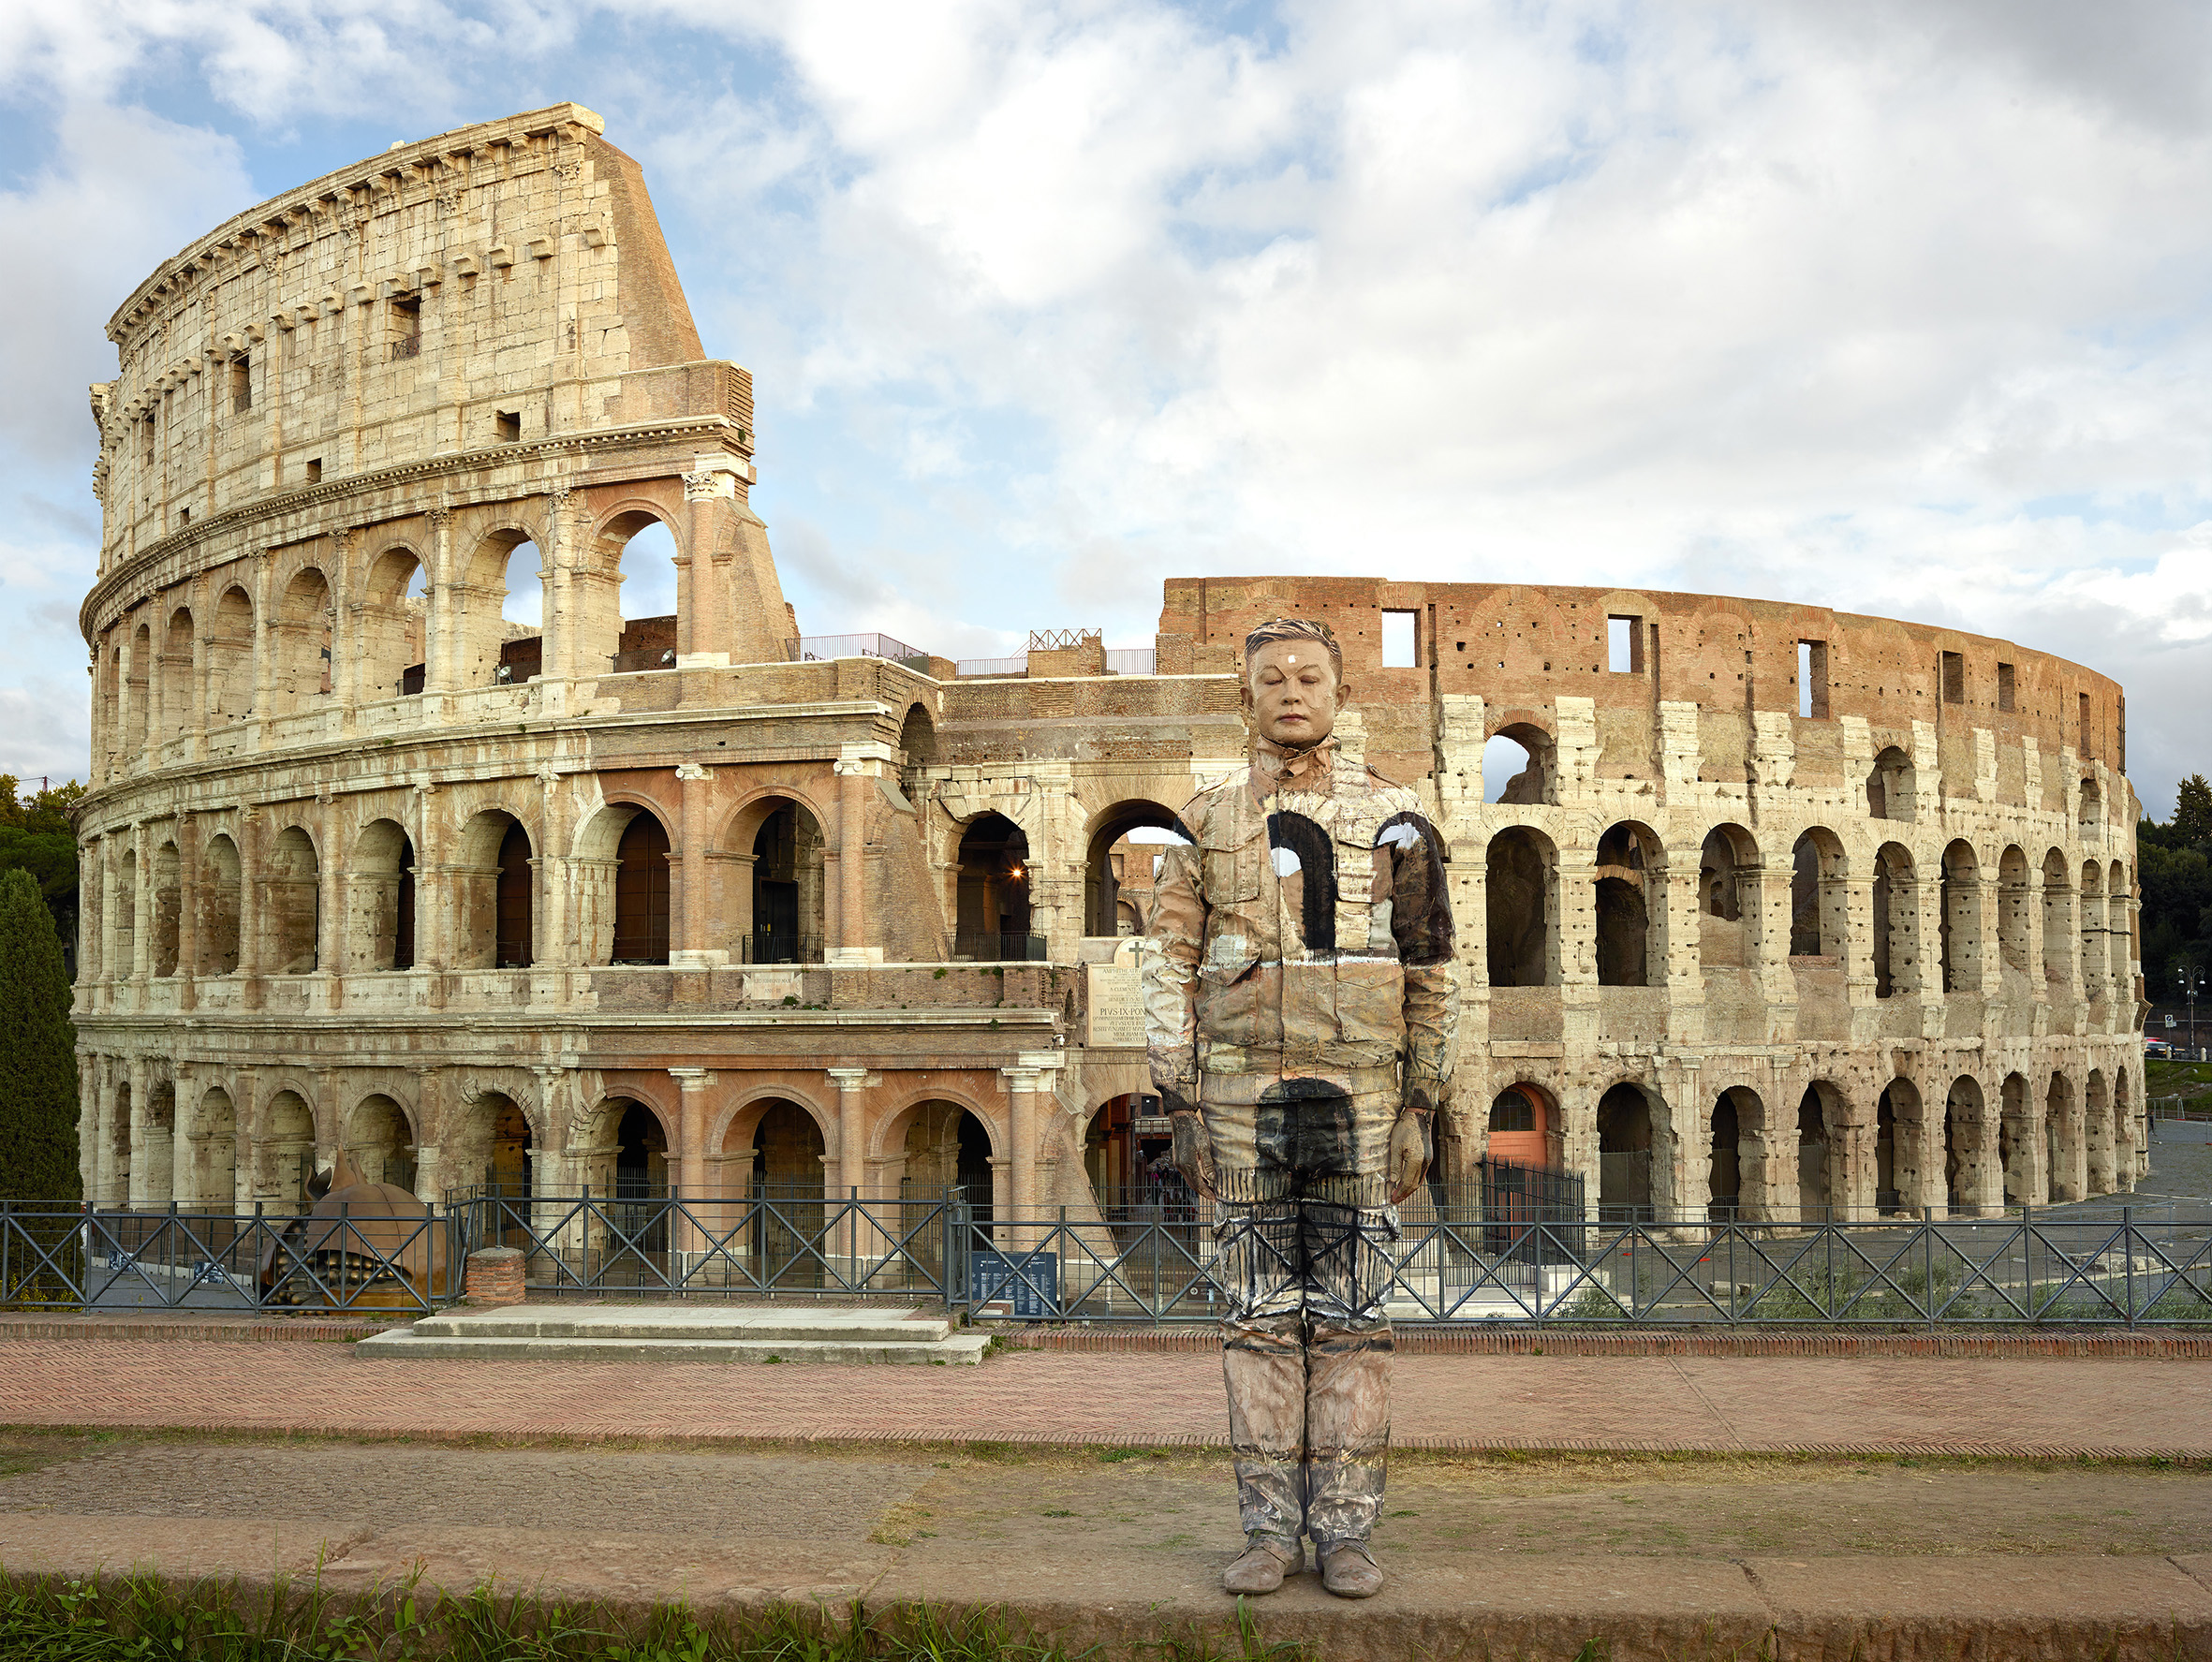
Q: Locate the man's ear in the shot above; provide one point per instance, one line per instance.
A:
(1343, 695)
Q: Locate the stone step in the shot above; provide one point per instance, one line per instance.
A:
(965, 1349)
(714, 1323)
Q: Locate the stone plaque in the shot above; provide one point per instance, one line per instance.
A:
(1116, 1007)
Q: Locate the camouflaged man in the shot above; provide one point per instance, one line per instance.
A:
(1300, 1012)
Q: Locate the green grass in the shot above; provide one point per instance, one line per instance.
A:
(54, 1619)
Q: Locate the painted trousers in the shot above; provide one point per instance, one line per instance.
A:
(1305, 1227)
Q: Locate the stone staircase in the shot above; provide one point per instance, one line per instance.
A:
(676, 1333)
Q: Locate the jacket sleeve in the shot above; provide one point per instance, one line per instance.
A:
(1421, 921)
(1170, 959)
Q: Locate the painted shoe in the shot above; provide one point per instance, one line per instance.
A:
(1265, 1562)
(1350, 1571)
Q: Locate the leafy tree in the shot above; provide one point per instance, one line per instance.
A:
(38, 1050)
(2191, 824)
(35, 836)
(2175, 866)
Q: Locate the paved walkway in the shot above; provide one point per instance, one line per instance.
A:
(2042, 1407)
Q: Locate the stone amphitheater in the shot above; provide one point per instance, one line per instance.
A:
(1784, 913)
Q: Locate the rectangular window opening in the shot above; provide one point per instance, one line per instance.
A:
(510, 423)
(2004, 686)
(315, 470)
(1954, 678)
(151, 428)
(1401, 641)
(1624, 645)
(2083, 729)
(1812, 678)
(241, 384)
(406, 328)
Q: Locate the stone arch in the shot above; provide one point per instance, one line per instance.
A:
(622, 1145)
(1733, 1170)
(1959, 934)
(2119, 933)
(620, 626)
(1629, 883)
(1890, 787)
(230, 656)
(776, 899)
(284, 1153)
(1118, 871)
(2016, 1143)
(291, 905)
(489, 1139)
(942, 1139)
(393, 640)
(301, 641)
(992, 891)
(2092, 913)
(1896, 922)
(780, 1144)
(380, 899)
(1635, 1153)
(1824, 1174)
(2090, 820)
(138, 690)
(1905, 1178)
(1526, 1126)
(2061, 1142)
(381, 1141)
(1970, 1149)
(2015, 897)
(496, 898)
(623, 881)
(918, 736)
(2059, 937)
(1522, 908)
(178, 716)
(222, 882)
(1820, 900)
(480, 628)
(153, 1164)
(1536, 778)
(210, 1167)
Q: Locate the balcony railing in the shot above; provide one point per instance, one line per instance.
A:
(808, 648)
(779, 945)
(1001, 948)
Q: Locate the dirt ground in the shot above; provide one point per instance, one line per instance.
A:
(1117, 1501)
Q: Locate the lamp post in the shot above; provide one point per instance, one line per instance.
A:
(2192, 977)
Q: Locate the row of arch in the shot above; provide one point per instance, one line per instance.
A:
(1831, 1157)
(1629, 872)
(176, 669)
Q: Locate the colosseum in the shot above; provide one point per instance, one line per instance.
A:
(1783, 913)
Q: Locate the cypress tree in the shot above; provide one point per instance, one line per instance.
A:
(38, 1050)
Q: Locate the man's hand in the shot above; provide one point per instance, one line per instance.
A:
(1409, 1150)
(1193, 1150)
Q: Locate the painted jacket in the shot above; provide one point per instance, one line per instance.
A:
(1304, 932)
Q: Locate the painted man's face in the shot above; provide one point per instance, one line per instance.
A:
(1294, 692)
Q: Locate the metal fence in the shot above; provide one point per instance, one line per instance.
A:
(98, 1258)
(810, 648)
(999, 948)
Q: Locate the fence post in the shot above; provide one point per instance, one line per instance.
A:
(2127, 1252)
(1927, 1261)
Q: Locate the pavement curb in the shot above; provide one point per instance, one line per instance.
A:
(1555, 1342)
(189, 1327)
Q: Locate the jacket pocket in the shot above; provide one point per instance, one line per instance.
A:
(1232, 868)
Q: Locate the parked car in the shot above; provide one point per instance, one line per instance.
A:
(2157, 1049)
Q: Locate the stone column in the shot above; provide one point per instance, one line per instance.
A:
(847, 1163)
(852, 822)
(187, 909)
(437, 624)
(142, 890)
(694, 947)
(556, 576)
(1020, 1099)
(691, 1158)
(134, 1192)
(704, 638)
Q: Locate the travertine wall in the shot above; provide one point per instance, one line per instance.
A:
(367, 873)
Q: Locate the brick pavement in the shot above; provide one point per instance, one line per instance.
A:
(2055, 1406)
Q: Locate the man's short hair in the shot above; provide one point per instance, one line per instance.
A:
(1295, 628)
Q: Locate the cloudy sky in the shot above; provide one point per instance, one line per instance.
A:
(1904, 306)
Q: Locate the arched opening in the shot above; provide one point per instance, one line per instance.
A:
(2119, 933)
(2015, 1142)
(1625, 1156)
(219, 886)
(230, 658)
(1890, 785)
(2058, 931)
(1736, 1111)
(1885, 1155)
(380, 896)
(509, 1171)
(381, 1143)
(1630, 920)
(2094, 957)
(993, 907)
(1517, 765)
(119, 1149)
(1820, 915)
(918, 738)
(947, 1147)
(787, 890)
(394, 626)
(2061, 1180)
(2091, 823)
(211, 1161)
(292, 904)
(154, 1169)
(521, 647)
(1966, 1150)
(1822, 1185)
(787, 1149)
(2013, 901)
(179, 711)
(1728, 899)
(1520, 905)
(300, 664)
(1895, 923)
(1126, 1157)
(489, 1144)
(1900, 1110)
(496, 893)
(641, 893)
(168, 905)
(1961, 928)
(1521, 1131)
(1124, 855)
(2127, 1148)
(628, 598)
(2097, 1133)
(286, 1152)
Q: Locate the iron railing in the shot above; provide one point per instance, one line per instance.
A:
(87, 1257)
(1009, 947)
(1018, 664)
(779, 946)
(811, 648)
(1132, 660)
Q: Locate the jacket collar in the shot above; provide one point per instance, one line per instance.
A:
(1278, 767)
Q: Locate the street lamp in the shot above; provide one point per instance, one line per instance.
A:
(2192, 977)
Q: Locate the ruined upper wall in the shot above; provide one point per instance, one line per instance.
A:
(487, 286)
(1732, 662)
